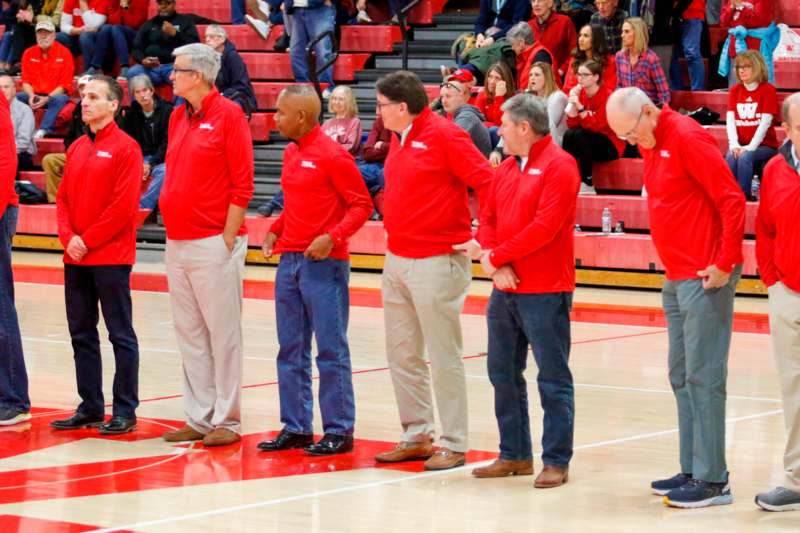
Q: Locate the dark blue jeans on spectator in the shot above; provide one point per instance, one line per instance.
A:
(237, 11)
(541, 321)
(79, 45)
(84, 287)
(118, 36)
(5, 47)
(372, 174)
(149, 199)
(742, 166)
(158, 75)
(494, 135)
(311, 297)
(307, 23)
(688, 47)
(13, 376)
(52, 108)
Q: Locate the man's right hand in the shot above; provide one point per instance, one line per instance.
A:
(269, 244)
(505, 278)
(76, 248)
(145, 171)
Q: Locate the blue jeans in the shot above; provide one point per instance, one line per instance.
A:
(689, 47)
(82, 44)
(52, 109)
(237, 11)
(120, 37)
(158, 75)
(311, 297)
(84, 287)
(5, 47)
(306, 25)
(372, 174)
(149, 199)
(13, 376)
(742, 167)
(542, 321)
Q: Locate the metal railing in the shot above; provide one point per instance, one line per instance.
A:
(311, 57)
(402, 16)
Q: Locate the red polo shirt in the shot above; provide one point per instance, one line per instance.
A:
(209, 167)
(425, 202)
(323, 193)
(529, 217)
(98, 197)
(8, 159)
(696, 207)
(558, 35)
(45, 71)
(777, 228)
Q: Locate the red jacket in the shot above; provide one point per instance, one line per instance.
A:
(596, 119)
(324, 193)
(696, 207)
(529, 217)
(72, 8)
(490, 109)
(425, 203)
(528, 58)
(558, 35)
(777, 230)
(45, 72)
(98, 197)
(8, 159)
(133, 17)
(609, 78)
(209, 167)
(696, 10)
(759, 15)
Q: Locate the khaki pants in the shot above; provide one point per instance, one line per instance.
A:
(53, 166)
(205, 290)
(422, 301)
(784, 321)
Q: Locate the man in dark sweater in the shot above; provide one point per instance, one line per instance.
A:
(233, 80)
(147, 121)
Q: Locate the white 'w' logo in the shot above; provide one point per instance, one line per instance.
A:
(747, 111)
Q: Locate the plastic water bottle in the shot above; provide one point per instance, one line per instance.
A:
(606, 220)
(755, 189)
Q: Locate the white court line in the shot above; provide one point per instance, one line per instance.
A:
(415, 477)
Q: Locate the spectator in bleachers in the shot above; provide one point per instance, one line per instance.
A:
(554, 31)
(345, 126)
(309, 19)
(692, 15)
(157, 38)
(499, 86)
(23, 122)
(373, 154)
(528, 52)
(662, 37)
(591, 45)
(147, 122)
(233, 80)
(749, 14)
(455, 97)
(610, 17)
(53, 163)
(30, 13)
(589, 138)
(752, 106)
(496, 18)
(638, 65)
(579, 11)
(47, 72)
(125, 17)
(543, 85)
(8, 17)
(80, 22)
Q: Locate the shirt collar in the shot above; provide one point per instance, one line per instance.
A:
(796, 159)
(661, 128)
(208, 101)
(536, 150)
(102, 134)
(309, 138)
(414, 126)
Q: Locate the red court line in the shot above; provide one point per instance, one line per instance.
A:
(628, 315)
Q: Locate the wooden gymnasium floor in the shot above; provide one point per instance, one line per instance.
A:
(626, 432)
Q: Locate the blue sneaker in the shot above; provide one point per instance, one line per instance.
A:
(698, 493)
(662, 486)
(10, 416)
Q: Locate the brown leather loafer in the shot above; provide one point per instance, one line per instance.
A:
(551, 476)
(445, 458)
(183, 434)
(503, 468)
(221, 437)
(407, 451)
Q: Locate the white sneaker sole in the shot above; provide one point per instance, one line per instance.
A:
(724, 499)
(778, 508)
(22, 417)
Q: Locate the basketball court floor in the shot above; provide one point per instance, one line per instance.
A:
(626, 431)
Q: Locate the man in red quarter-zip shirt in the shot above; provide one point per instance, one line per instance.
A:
(697, 223)
(326, 202)
(96, 205)
(427, 270)
(778, 254)
(208, 184)
(527, 232)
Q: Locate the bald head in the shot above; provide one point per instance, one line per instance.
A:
(633, 116)
(298, 111)
(791, 118)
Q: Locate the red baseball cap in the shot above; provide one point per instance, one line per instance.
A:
(462, 75)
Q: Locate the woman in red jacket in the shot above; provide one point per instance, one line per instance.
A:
(499, 86)
(589, 137)
(747, 13)
(591, 45)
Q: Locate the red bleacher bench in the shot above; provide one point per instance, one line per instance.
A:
(714, 100)
(267, 92)
(278, 66)
(41, 219)
(619, 175)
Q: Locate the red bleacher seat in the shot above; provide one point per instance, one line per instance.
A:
(354, 38)
(619, 175)
(788, 12)
(35, 177)
(278, 66)
(41, 219)
(714, 100)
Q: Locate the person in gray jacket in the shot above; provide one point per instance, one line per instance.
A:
(23, 122)
(454, 96)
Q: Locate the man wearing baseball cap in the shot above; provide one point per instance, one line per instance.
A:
(47, 71)
(455, 96)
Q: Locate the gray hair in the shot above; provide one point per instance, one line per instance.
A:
(629, 100)
(216, 29)
(140, 80)
(202, 58)
(791, 100)
(526, 107)
(300, 90)
(521, 31)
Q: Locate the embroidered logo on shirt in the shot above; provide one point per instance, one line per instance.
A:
(665, 154)
(419, 144)
(206, 126)
(534, 171)
(101, 153)
(307, 164)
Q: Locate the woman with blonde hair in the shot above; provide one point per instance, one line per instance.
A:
(345, 126)
(752, 105)
(543, 84)
(637, 65)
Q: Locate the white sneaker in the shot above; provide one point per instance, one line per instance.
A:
(40, 134)
(644, 191)
(261, 27)
(327, 93)
(587, 190)
(263, 7)
(363, 18)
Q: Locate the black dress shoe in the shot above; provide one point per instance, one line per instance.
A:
(286, 440)
(331, 445)
(118, 425)
(78, 421)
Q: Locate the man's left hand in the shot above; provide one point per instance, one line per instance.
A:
(713, 277)
(471, 248)
(230, 241)
(76, 248)
(320, 248)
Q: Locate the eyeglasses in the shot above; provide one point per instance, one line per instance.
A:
(633, 129)
(584, 75)
(744, 67)
(381, 106)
